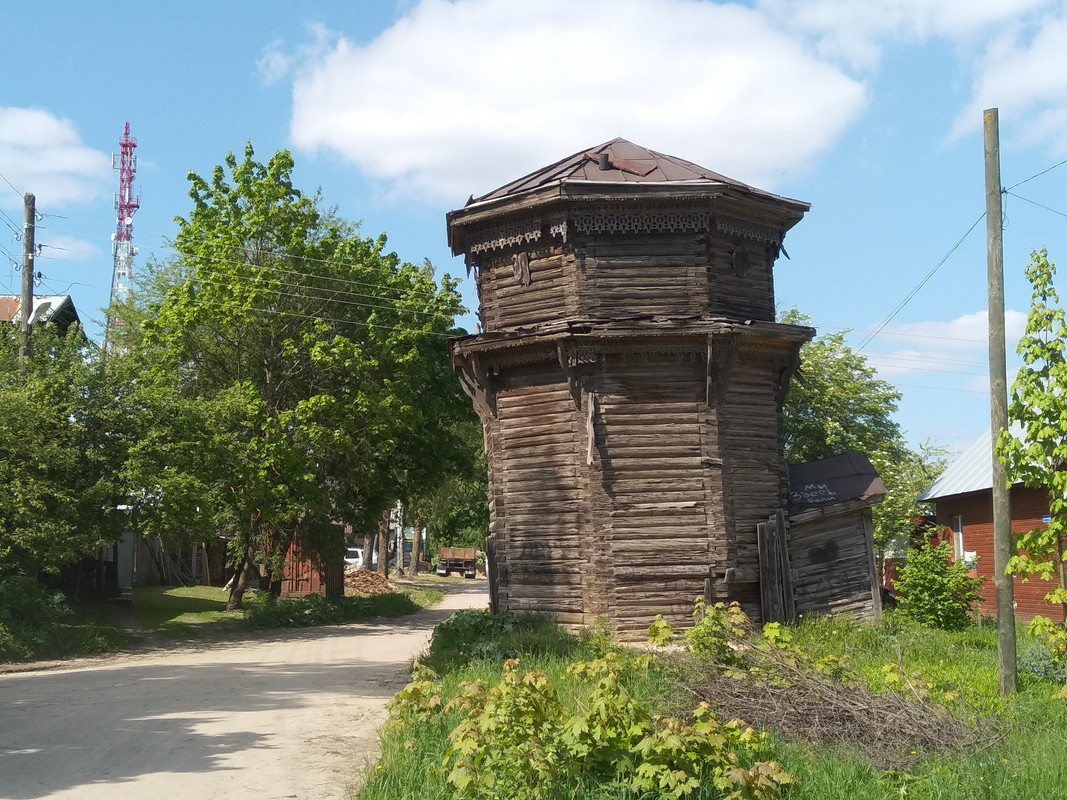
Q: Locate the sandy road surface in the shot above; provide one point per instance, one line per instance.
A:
(292, 714)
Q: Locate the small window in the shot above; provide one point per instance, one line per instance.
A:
(957, 536)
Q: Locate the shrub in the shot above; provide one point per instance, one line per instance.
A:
(471, 635)
(30, 616)
(935, 589)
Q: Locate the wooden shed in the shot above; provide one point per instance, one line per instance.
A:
(630, 378)
(831, 536)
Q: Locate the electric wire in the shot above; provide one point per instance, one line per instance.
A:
(3, 177)
(900, 306)
(328, 295)
(1036, 175)
(1034, 203)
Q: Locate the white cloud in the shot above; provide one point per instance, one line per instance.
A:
(1024, 73)
(856, 32)
(460, 97)
(274, 64)
(956, 348)
(65, 248)
(43, 154)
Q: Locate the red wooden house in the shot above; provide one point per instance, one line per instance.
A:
(963, 497)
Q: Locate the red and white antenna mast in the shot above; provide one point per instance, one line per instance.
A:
(126, 205)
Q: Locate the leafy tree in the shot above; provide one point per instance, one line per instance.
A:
(836, 403)
(293, 356)
(1036, 456)
(62, 443)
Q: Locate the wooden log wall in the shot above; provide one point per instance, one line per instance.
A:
(754, 475)
(536, 495)
(522, 289)
(650, 498)
(621, 276)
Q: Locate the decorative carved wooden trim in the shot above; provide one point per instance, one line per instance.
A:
(503, 236)
(747, 229)
(611, 219)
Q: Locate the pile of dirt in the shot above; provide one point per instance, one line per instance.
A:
(366, 582)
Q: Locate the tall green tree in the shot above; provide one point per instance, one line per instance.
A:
(298, 353)
(1034, 449)
(63, 440)
(836, 403)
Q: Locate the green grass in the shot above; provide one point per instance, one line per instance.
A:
(193, 612)
(1022, 752)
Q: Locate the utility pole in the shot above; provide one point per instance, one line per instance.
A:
(28, 243)
(998, 406)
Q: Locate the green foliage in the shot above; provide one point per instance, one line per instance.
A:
(62, 440)
(294, 374)
(837, 404)
(1038, 412)
(935, 589)
(660, 632)
(717, 630)
(471, 635)
(29, 617)
(518, 739)
(267, 611)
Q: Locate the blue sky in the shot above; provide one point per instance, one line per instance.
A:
(398, 111)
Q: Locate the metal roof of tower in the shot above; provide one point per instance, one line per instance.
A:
(622, 161)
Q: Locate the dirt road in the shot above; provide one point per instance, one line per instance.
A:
(291, 714)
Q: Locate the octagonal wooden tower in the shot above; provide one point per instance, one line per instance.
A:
(630, 378)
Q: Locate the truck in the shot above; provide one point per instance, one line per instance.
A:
(457, 559)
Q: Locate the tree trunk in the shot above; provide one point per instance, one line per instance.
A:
(416, 545)
(368, 552)
(399, 544)
(237, 591)
(383, 544)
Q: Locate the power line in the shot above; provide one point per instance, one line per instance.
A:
(283, 255)
(337, 321)
(1035, 203)
(5, 180)
(328, 296)
(915, 291)
(1036, 175)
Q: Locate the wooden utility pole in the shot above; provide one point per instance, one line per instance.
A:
(998, 406)
(29, 218)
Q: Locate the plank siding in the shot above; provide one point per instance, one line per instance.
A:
(539, 540)
(832, 566)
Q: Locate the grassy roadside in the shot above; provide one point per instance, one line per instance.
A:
(174, 614)
(951, 735)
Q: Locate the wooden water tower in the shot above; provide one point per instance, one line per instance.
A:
(630, 378)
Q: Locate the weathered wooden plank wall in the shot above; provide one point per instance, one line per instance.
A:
(536, 493)
(651, 507)
(832, 564)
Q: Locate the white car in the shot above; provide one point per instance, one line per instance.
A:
(354, 555)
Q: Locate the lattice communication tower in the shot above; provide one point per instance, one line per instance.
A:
(126, 205)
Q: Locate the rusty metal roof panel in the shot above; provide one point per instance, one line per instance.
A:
(621, 161)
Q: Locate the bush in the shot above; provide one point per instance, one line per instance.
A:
(267, 611)
(935, 589)
(30, 616)
(471, 635)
